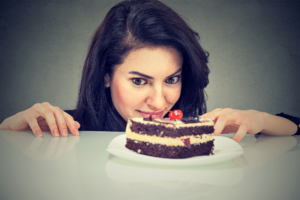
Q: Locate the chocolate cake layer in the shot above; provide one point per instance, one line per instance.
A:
(164, 151)
(162, 131)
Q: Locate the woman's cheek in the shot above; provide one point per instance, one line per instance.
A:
(173, 95)
(125, 96)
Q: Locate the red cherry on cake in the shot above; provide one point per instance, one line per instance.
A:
(175, 114)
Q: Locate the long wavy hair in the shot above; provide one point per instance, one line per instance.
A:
(129, 25)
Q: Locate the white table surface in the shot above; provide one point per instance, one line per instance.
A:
(81, 168)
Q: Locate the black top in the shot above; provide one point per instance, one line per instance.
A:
(70, 112)
(82, 125)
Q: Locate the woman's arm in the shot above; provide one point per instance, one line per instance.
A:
(3, 126)
(42, 117)
(278, 126)
(229, 120)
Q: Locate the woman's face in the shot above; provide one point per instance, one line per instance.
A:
(146, 83)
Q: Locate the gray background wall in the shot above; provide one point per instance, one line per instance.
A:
(254, 48)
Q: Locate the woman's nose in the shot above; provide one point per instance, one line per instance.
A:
(156, 99)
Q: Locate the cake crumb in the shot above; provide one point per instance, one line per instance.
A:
(139, 151)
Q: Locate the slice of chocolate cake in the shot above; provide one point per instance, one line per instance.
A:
(170, 139)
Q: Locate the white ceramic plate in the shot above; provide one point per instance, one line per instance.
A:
(225, 149)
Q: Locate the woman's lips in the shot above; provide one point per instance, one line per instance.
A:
(155, 115)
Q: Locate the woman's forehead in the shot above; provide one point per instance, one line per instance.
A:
(152, 60)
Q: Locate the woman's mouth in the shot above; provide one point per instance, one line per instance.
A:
(154, 115)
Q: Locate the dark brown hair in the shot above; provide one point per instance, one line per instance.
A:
(129, 25)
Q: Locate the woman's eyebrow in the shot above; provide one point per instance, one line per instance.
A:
(140, 74)
(179, 70)
(150, 77)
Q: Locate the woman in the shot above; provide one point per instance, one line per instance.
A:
(143, 60)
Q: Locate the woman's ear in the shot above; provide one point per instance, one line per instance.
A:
(107, 81)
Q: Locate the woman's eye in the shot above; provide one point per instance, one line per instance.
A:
(139, 81)
(173, 80)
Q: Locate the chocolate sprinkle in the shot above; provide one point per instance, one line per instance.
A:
(148, 118)
(188, 120)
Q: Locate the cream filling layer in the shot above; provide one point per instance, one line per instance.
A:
(168, 140)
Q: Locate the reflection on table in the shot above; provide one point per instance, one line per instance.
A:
(81, 168)
(45, 148)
